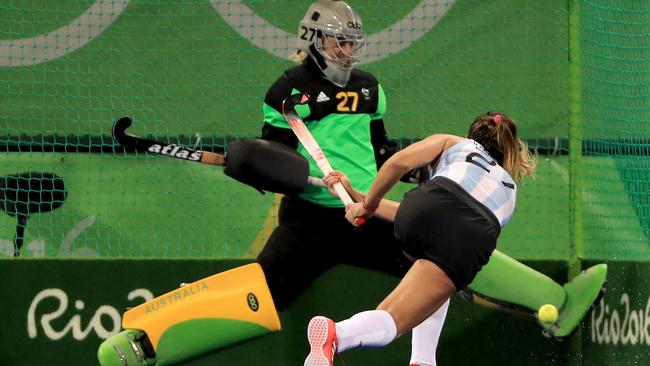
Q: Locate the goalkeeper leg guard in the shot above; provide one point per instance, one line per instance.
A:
(200, 317)
(506, 282)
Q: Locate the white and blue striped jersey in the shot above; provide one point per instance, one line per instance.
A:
(469, 165)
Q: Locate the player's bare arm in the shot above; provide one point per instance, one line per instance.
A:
(385, 211)
(415, 155)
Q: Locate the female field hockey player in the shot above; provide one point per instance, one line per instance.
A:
(448, 225)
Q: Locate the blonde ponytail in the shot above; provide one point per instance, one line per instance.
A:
(497, 133)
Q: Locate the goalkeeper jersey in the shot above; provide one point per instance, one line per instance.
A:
(339, 118)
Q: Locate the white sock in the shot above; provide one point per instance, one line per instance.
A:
(424, 337)
(373, 328)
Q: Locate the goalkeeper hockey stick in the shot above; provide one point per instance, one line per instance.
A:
(309, 143)
(141, 144)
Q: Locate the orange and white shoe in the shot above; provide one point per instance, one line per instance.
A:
(321, 333)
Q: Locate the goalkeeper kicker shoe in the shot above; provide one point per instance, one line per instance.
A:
(321, 333)
(127, 348)
(582, 293)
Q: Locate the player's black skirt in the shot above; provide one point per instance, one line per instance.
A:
(441, 222)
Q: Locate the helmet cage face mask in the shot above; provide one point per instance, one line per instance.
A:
(332, 34)
(342, 49)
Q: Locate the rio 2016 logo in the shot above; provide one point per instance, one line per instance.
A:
(39, 248)
(89, 25)
(104, 316)
(624, 325)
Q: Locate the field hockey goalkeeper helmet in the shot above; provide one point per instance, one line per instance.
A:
(332, 34)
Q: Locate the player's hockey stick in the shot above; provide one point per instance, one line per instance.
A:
(141, 144)
(309, 143)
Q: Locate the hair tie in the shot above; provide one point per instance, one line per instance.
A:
(497, 119)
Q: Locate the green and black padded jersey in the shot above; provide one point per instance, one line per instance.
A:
(346, 122)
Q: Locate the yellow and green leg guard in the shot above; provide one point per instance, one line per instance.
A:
(204, 316)
(505, 282)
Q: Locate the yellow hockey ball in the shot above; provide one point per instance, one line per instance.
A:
(547, 313)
